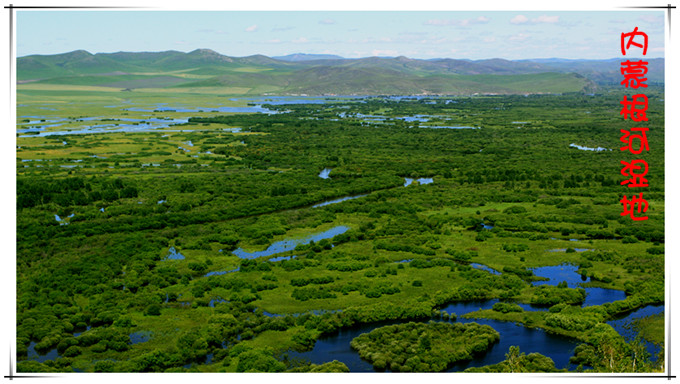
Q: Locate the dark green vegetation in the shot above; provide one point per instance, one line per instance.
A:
(651, 328)
(519, 362)
(85, 287)
(423, 347)
(204, 69)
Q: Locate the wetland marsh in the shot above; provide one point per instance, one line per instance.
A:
(172, 232)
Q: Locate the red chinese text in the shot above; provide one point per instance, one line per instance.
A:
(630, 205)
(633, 72)
(625, 46)
(636, 108)
(636, 179)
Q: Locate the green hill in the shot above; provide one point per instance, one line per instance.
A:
(320, 75)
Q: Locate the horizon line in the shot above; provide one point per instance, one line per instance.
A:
(339, 56)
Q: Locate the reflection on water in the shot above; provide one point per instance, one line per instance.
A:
(34, 355)
(173, 254)
(624, 326)
(219, 273)
(325, 203)
(216, 300)
(144, 125)
(324, 174)
(281, 258)
(598, 149)
(422, 180)
(485, 268)
(559, 273)
(558, 348)
(599, 296)
(65, 221)
(418, 118)
(289, 245)
(568, 273)
(281, 100)
(448, 127)
(140, 337)
(163, 108)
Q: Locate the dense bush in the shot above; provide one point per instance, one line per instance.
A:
(549, 295)
(506, 307)
(423, 347)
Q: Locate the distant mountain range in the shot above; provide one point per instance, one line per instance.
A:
(307, 57)
(322, 74)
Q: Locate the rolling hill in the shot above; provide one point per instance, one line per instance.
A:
(321, 74)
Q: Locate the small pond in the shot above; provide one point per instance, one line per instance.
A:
(566, 272)
(33, 355)
(598, 149)
(340, 200)
(216, 300)
(173, 254)
(140, 337)
(64, 221)
(289, 245)
(142, 125)
(422, 180)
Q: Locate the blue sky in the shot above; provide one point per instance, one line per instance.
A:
(416, 34)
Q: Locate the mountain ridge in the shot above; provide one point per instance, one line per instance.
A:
(322, 74)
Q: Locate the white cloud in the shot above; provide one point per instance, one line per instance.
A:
(519, 19)
(327, 21)
(456, 23)
(252, 28)
(546, 19)
(301, 40)
(543, 19)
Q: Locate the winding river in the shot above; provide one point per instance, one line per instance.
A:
(558, 348)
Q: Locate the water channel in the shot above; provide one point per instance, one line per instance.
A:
(558, 348)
